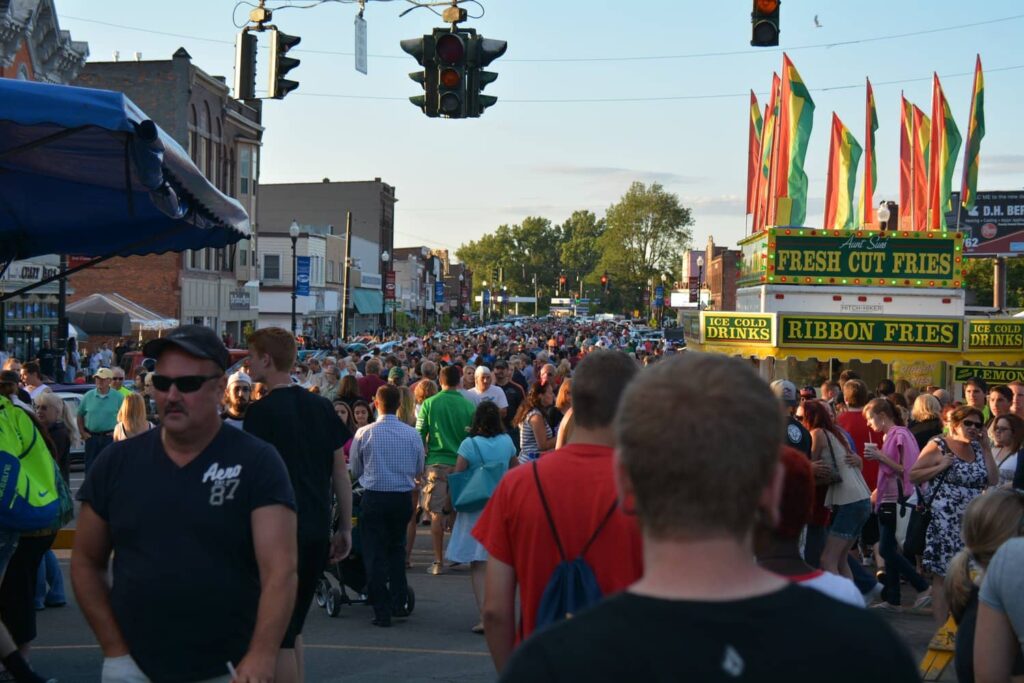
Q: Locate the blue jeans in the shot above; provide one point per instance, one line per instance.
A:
(50, 576)
(895, 563)
(8, 544)
(93, 445)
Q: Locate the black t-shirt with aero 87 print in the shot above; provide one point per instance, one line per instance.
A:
(186, 584)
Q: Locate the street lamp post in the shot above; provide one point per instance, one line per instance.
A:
(483, 300)
(661, 301)
(385, 257)
(462, 280)
(293, 232)
(504, 299)
(700, 281)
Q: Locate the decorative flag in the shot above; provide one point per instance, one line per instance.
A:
(768, 137)
(753, 151)
(975, 132)
(906, 163)
(867, 191)
(843, 156)
(796, 118)
(921, 165)
(945, 146)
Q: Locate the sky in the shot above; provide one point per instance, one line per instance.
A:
(591, 97)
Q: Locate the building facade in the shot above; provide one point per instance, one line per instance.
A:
(213, 287)
(355, 282)
(34, 48)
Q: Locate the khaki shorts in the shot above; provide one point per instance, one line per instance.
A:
(435, 491)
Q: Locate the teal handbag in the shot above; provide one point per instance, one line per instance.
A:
(472, 488)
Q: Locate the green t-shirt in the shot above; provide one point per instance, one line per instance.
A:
(125, 391)
(443, 422)
(99, 413)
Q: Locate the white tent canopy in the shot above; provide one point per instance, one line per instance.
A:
(141, 317)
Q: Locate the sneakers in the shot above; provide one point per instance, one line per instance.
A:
(884, 606)
(435, 569)
(873, 595)
(924, 600)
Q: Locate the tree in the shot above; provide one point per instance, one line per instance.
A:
(978, 281)
(646, 230)
(579, 249)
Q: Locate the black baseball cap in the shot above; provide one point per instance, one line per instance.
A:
(500, 364)
(195, 340)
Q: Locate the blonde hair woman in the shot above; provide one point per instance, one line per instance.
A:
(131, 418)
(989, 521)
(407, 408)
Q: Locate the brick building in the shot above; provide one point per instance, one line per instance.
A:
(717, 276)
(213, 287)
(34, 48)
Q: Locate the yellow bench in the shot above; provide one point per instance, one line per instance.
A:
(65, 539)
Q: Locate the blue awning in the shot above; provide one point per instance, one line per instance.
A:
(368, 301)
(85, 172)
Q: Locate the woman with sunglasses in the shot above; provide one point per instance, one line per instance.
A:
(957, 468)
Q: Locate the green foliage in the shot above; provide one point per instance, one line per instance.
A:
(640, 237)
(978, 280)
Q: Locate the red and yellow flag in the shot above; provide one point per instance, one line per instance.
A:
(867, 191)
(753, 152)
(843, 156)
(945, 145)
(921, 166)
(788, 205)
(768, 128)
(975, 132)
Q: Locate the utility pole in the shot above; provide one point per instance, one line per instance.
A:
(344, 280)
(536, 297)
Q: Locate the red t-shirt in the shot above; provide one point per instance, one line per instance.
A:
(579, 486)
(368, 385)
(853, 421)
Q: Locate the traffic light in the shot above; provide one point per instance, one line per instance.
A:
(280, 65)
(561, 280)
(245, 66)
(422, 49)
(764, 21)
(483, 51)
(604, 281)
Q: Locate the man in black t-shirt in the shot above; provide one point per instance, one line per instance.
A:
(514, 394)
(200, 520)
(703, 609)
(309, 436)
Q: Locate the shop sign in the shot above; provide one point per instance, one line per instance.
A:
(389, 285)
(28, 271)
(863, 257)
(991, 374)
(238, 299)
(738, 328)
(881, 332)
(994, 227)
(995, 335)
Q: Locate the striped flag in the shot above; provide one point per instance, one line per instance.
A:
(843, 156)
(975, 132)
(753, 152)
(867, 190)
(796, 118)
(771, 117)
(945, 145)
(921, 165)
(906, 163)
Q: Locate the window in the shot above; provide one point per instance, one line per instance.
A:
(330, 270)
(242, 255)
(193, 135)
(206, 131)
(244, 169)
(271, 267)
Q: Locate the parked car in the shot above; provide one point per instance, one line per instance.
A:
(72, 400)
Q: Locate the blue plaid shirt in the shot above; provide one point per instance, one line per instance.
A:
(387, 455)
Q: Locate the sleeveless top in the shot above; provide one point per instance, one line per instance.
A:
(528, 448)
(852, 488)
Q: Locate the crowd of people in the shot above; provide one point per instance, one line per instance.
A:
(575, 470)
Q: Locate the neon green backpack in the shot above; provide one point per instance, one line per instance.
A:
(29, 497)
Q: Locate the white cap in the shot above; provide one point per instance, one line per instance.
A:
(239, 377)
(482, 370)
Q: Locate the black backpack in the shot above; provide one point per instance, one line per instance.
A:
(573, 586)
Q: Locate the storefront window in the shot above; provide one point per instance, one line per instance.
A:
(802, 372)
(870, 372)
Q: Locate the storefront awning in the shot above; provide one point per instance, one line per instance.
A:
(368, 301)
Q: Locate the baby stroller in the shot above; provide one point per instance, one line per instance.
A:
(332, 591)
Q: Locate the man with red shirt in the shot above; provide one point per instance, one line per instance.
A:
(371, 381)
(579, 486)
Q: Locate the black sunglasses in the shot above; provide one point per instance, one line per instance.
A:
(186, 384)
(971, 423)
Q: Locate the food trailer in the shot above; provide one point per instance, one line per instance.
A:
(812, 303)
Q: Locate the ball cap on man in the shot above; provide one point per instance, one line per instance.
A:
(239, 377)
(785, 391)
(195, 340)
(104, 373)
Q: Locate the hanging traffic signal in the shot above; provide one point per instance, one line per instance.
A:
(422, 49)
(245, 66)
(483, 51)
(604, 281)
(764, 21)
(561, 280)
(280, 65)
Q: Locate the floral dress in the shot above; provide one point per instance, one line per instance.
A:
(964, 481)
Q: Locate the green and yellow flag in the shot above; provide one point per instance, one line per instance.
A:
(796, 118)
(753, 152)
(762, 192)
(945, 145)
(843, 156)
(975, 132)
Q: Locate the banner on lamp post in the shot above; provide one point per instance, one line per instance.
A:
(438, 292)
(302, 275)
